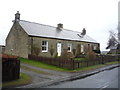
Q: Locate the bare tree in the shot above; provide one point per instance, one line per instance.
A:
(113, 41)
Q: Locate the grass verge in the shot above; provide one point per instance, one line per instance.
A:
(88, 68)
(95, 66)
(114, 62)
(50, 67)
(24, 80)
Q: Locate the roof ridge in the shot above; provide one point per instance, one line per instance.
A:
(37, 23)
(49, 26)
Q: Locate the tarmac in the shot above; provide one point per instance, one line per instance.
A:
(41, 81)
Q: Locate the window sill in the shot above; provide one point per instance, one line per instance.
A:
(68, 51)
(44, 51)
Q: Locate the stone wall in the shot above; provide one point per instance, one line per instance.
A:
(52, 43)
(17, 41)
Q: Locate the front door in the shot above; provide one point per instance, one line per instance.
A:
(59, 49)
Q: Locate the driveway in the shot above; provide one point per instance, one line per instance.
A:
(41, 78)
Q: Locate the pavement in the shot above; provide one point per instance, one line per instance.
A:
(42, 80)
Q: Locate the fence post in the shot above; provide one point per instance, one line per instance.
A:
(59, 61)
(87, 63)
(78, 65)
(73, 64)
(102, 60)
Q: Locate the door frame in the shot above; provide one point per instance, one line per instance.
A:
(59, 48)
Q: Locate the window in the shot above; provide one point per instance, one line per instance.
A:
(69, 47)
(44, 46)
(82, 48)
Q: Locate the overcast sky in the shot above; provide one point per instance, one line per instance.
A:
(97, 16)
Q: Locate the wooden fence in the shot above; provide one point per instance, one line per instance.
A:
(99, 60)
(73, 64)
(53, 61)
(10, 68)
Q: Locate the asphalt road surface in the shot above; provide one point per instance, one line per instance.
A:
(106, 79)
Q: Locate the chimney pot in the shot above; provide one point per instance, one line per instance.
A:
(60, 26)
(17, 16)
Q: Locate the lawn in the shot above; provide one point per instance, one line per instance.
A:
(24, 79)
(42, 65)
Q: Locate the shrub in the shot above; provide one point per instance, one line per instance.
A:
(97, 51)
(91, 55)
(118, 51)
(79, 54)
(56, 55)
(78, 50)
(67, 55)
(74, 51)
(35, 50)
(51, 50)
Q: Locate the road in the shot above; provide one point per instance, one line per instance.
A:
(105, 79)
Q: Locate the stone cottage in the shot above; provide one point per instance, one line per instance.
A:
(33, 38)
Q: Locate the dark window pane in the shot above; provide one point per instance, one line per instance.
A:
(68, 48)
(44, 42)
(43, 48)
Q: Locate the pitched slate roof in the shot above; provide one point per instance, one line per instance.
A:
(36, 29)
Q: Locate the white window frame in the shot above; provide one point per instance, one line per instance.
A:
(45, 46)
(94, 47)
(82, 48)
(69, 45)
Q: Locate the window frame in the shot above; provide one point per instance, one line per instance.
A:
(94, 47)
(69, 45)
(46, 46)
(82, 48)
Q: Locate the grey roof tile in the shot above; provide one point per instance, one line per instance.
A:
(36, 29)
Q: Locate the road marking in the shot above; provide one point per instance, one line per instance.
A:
(104, 86)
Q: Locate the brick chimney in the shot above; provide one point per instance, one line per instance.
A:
(17, 16)
(60, 26)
